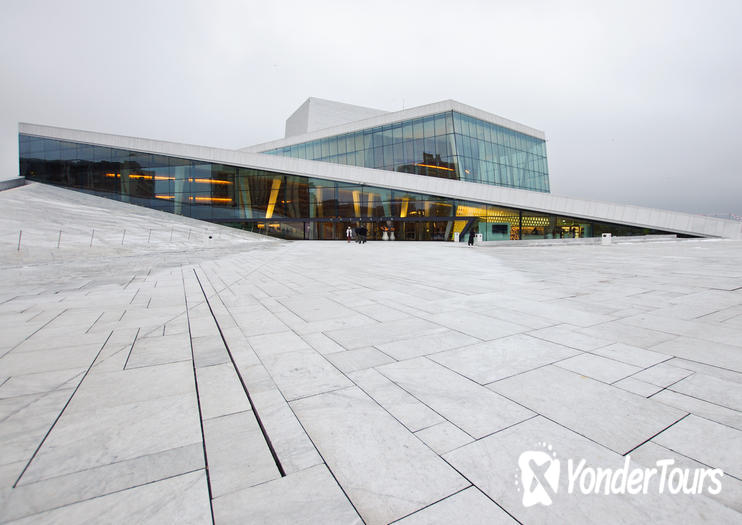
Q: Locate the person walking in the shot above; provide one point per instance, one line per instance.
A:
(471, 237)
(349, 233)
(363, 232)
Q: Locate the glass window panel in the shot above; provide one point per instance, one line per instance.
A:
(441, 146)
(470, 126)
(101, 153)
(24, 147)
(417, 129)
(480, 130)
(449, 121)
(387, 136)
(488, 132)
(397, 133)
(409, 152)
(84, 152)
(466, 147)
(419, 148)
(429, 127)
(36, 145)
(440, 124)
(378, 157)
(429, 146)
(457, 125)
(407, 130)
(388, 155)
(500, 136)
(399, 156)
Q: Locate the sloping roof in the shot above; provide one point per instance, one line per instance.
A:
(672, 221)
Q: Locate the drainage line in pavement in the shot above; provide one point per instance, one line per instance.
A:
(198, 401)
(242, 381)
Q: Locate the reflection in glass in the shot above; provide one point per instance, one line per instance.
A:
(297, 207)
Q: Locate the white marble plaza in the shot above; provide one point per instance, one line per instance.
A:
(159, 369)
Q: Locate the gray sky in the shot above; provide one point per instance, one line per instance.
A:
(640, 100)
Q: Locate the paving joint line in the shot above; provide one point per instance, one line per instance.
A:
(198, 402)
(657, 434)
(43, 440)
(39, 329)
(242, 381)
(288, 404)
(131, 348)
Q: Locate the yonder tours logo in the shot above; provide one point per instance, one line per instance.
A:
(540, 473)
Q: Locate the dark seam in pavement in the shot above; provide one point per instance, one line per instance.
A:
(61, 411)
(198, 400)
(242, 382)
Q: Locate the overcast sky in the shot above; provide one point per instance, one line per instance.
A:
(640, 100)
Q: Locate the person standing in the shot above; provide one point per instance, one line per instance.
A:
(349, 233)
(471, 237)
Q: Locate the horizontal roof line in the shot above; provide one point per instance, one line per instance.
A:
(397, 116)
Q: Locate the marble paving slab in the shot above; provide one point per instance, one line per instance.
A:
(631, 355)
(471, 407)
(32, 498)
(178, 499)
(494, 360)
(712, 389)
(608, 415)
(386, 471)
(307, 497)
(492, 465)
(404, 407)
(301, 373)
(731, 488)
(468, 506)
(703, 351)
(600, 368)
(691, 437)
(425, 344)
(380, 333)
(237, 453)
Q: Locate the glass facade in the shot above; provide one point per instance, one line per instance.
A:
(287, 206)
(450, 145)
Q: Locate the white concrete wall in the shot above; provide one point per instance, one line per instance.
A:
(317, 114)
(672, 221)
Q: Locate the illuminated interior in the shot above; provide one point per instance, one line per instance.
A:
(289, 206)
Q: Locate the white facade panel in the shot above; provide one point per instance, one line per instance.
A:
(317, 114)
